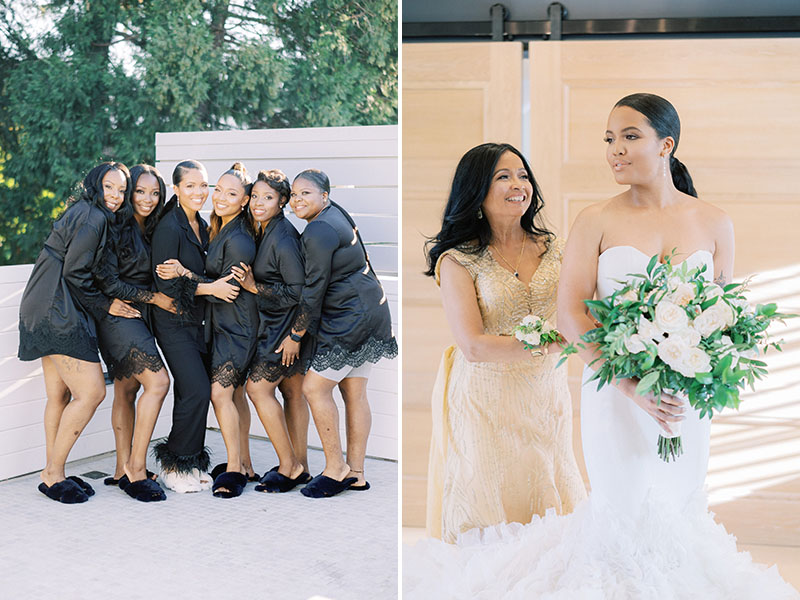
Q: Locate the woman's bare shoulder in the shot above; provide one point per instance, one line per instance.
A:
(711, 214)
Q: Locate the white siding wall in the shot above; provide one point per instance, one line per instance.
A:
(362, 165)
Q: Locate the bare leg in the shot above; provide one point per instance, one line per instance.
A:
(156, 386)
(295, 407)
(358, 420)
(262, 394)
(58, 397)
(85, 381)
(244, 429)
(228, 418)
(319, 392)
(123, 417)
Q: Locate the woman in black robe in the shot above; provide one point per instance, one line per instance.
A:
(345, 310)
(182, 235)
(57, 318)
(231, 328)
(127, 345)
(276, 279)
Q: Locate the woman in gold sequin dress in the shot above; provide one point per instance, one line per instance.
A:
(501, 448)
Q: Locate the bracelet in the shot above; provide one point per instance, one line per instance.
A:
(541, 350)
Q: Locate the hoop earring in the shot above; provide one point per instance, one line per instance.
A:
(480, 213)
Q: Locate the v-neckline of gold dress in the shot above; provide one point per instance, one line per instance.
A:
(517, 279)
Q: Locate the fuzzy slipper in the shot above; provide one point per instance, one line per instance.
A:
(112, 481)
(276, 483)
(66, 492)
(87, 489)
(222, 467)
(230, 480)
(183, 483)
(323, 486)
(360, 488)
(143, 490)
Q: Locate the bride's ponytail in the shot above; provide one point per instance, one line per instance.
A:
(680, 177)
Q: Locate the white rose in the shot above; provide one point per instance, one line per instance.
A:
(683, 294)
(708, 321)
(530, 320)
(670, 317)
(533, 338)
(630, 296)
(690, 336)
(671, 351)
(673, 282)
(712, 290)
(519, 335)
(647, 330)
(634, 344)
(695, 361)
(726, 313)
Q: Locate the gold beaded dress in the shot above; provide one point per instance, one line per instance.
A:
(501, 447)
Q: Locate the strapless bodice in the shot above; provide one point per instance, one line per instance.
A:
(616, 264)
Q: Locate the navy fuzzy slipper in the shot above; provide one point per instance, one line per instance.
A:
(112, 481)
(360, 488)
(222, 467)
(143, 490)
(231, 481)
(66, 492)
(323, 486)
(276, 483)
(87, 489)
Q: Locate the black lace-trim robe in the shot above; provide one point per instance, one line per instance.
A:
(342, 305)
(61, 302)
(279, 273)
(231, 327)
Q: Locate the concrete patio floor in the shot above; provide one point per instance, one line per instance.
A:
(271, 546)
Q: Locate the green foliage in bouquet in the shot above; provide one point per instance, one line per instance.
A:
(683, 335)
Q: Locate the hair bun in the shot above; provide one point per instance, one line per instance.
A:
(237, 166)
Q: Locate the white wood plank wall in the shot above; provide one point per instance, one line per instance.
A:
(362, 165)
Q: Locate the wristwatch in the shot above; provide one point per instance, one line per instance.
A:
(295, 337)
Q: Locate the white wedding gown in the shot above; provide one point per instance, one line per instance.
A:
(645, 532)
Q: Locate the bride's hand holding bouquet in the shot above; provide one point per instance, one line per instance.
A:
(680, 335)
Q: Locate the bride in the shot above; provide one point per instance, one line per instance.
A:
(646, 531)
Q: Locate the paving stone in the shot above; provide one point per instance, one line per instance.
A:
(271, 546)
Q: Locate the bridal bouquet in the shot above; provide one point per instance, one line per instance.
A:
(534, 331)
(682, 335)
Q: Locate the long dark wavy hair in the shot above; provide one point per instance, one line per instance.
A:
(152, 219)
(663, 117)
(237, 170)
(91, 191)
(177, 176)
(461, 227)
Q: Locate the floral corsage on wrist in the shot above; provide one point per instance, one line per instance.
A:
(535, 334)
